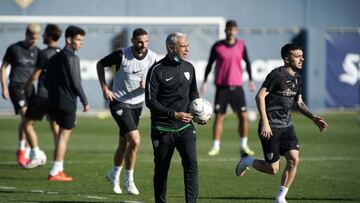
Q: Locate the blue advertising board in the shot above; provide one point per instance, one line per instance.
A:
(342, 70)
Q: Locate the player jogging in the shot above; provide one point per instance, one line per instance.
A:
(280, 90)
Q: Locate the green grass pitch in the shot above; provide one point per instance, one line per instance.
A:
(329, 169)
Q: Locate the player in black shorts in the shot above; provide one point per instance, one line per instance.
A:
(22, 57)
(38, 104)
(228, 54)
(63, 81)
(126, 96)
(280, 90)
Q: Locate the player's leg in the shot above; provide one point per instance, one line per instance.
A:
(113, 176)
(133, 139)
(290, 149)
(238, 104)
(20, 105)
(66, 121)
(163, 150)
(220, 110)
(271, 150)
(37, 157)
(186, 145)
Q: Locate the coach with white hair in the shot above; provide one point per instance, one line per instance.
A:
(170, 87)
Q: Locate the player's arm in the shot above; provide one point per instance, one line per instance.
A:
(115, 58)
(260, 103)
(208, 68)
(252, 85)
(35, 75)
(5, 92)
(75, 77)
(302, 108)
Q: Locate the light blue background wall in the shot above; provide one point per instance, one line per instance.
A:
(314, 16)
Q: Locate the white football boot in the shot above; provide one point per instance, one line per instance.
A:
(114, 182)
(131, 188)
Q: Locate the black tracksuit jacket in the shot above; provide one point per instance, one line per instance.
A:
(63, 81)
(170, 87)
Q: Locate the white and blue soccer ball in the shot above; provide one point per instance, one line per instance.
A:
(201, 109)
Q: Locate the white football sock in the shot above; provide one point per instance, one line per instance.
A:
(35, 152)
(27, 152)
(282, 192)
(243, 142)
(129, 175)
(116, 170)
(216, 144)
(57, 167)
(21, 144)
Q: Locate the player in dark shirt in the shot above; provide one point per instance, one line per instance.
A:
(38, 104)
(22, 57)
(64, 86)
(280, 90)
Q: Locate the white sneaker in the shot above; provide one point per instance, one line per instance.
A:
(244, 151)
(37, 161)
(131, 188)
(280, 200)
(241, 167)
(114, 182)
(214, 151)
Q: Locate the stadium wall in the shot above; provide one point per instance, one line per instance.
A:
(265, 25)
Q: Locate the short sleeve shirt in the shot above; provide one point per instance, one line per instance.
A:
(283, 90)
(22, 60)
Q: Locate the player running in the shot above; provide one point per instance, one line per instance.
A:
(280, 90)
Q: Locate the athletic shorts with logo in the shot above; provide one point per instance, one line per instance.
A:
(281, 141)
(20, 101)
(233, 95)
(126, 117)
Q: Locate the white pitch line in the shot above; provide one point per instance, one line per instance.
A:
(7, 188)
(95, 197)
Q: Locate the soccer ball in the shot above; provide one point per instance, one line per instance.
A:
(201, 109)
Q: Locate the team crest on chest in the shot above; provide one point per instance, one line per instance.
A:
(187, 75)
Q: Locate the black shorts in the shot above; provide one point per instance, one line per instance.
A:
(230, 95)
(37, 108)
(20, 101)
(282, 140)
(126, 118)
(64, 118)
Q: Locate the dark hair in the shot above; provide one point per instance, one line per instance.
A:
(138, 32)
(53, 31)
(72, 31)
(287, 48)
(230, 24)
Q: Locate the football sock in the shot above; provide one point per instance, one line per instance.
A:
(243, 141)
(116, 171)
(21, 144)
(57, 167)
(27, 152)
(282, 192)
(129, 175)
(216, 144)
(35, 151)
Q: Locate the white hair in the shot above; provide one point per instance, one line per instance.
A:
(171, 38)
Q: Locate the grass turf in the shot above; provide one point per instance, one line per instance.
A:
(328, 170)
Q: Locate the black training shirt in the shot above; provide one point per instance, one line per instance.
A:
(284, 89)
